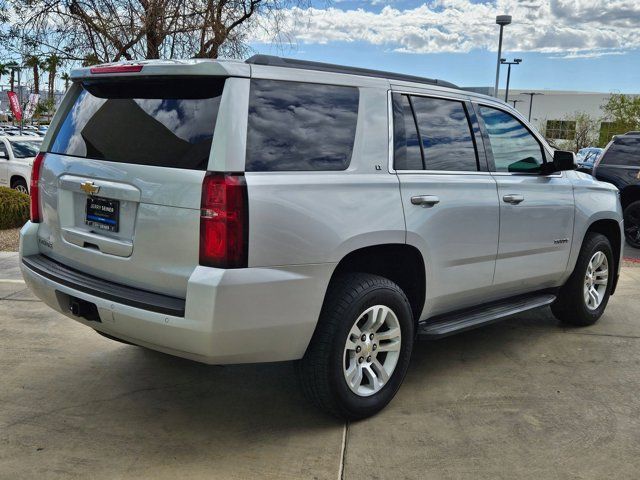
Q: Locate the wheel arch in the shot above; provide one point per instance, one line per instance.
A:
(401, 263)
(610, 229)
(15, 177)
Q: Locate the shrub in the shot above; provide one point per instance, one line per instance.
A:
(14, 208)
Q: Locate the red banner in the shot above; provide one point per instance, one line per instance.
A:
(15, 106)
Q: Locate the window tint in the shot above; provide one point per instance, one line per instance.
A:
(407, 151)
(446, 134)
(3, 149)
(162, 122)
(623, 151)
(300, 126)
(514, 148)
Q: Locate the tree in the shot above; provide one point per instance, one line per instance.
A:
(12, 76)
(66, 78)
(586, 134)
(52, 63)
(112, 30)
(33, 62)
(622, 113)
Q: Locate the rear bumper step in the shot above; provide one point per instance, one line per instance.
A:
(116, 292)
(458, 322)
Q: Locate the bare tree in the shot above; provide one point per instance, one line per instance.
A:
(93, 31)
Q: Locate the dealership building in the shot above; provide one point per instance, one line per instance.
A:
(553, 112)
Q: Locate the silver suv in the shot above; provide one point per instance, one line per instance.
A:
(276, 209)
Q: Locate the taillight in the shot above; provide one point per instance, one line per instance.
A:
(224, 220)
(115, 69)
(34, 189)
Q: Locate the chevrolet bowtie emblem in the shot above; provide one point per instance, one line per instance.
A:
(89, 188)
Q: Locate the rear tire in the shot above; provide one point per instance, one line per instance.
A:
(582, 300)
(632, 224)
(20, 185)
(359, 354)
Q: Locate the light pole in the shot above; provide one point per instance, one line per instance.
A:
(503, 61)
(531, 95)
(516, 101)
(501, 20)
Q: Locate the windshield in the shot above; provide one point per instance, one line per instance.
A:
(25, 148)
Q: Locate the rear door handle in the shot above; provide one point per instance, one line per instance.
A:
(513, 198)
(425, 200)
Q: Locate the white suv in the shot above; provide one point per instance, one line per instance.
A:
(16, 160)
(277, 209)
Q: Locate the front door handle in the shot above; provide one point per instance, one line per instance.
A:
(513, 198)
(425, 200)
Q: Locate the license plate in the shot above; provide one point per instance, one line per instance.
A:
(103, 213)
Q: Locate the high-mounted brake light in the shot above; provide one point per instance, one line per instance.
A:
(34, 189)
(224, 221)
(116, 69)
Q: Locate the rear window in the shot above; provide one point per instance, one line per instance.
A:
(623, 151)
(300, 126)
(165, 122)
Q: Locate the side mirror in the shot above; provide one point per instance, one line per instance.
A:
(562, 161)
(3, 154)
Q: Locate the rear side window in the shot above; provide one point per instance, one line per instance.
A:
(623, 151)
(165, 122)
(513, 146)
(300, 126)
(408, 151)
(432, 134)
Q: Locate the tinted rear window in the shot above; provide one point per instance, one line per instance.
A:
(300, 126)
(624, 151)
(163, 122)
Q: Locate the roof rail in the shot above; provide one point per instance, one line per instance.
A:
(275, 61)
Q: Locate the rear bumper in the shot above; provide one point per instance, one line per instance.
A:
(230, 316)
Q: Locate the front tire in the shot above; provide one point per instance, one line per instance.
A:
(583, 299)
(359, 354)
(632, 224)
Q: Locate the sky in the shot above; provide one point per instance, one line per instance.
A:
(584, 45)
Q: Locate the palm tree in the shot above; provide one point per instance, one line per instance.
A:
(67, 78)
(4, 70)
(34, 62)
(12, 76)
(52, 63)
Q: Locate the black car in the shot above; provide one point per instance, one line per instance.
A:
(620, 165)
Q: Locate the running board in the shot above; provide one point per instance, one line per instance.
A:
(456, 322)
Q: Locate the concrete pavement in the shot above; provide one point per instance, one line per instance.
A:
(525, 398)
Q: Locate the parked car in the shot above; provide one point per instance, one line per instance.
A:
(586, 158)
(278, 209)
(16, 160)
(620, 165)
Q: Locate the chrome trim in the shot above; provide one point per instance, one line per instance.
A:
(441, 172)
(390, 123)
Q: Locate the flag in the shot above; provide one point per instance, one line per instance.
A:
(15, 106)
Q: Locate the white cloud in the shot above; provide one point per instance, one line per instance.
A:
(568, 27)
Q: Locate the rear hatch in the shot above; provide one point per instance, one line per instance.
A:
(122, 177)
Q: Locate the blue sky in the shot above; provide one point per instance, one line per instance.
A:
(587, 45)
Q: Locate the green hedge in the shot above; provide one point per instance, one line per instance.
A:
(14, 208)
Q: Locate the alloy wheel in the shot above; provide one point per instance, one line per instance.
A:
(372, 350)
(596, 280)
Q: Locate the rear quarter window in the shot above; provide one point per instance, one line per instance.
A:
(624, 151)
(295, 126)
(166, 122)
